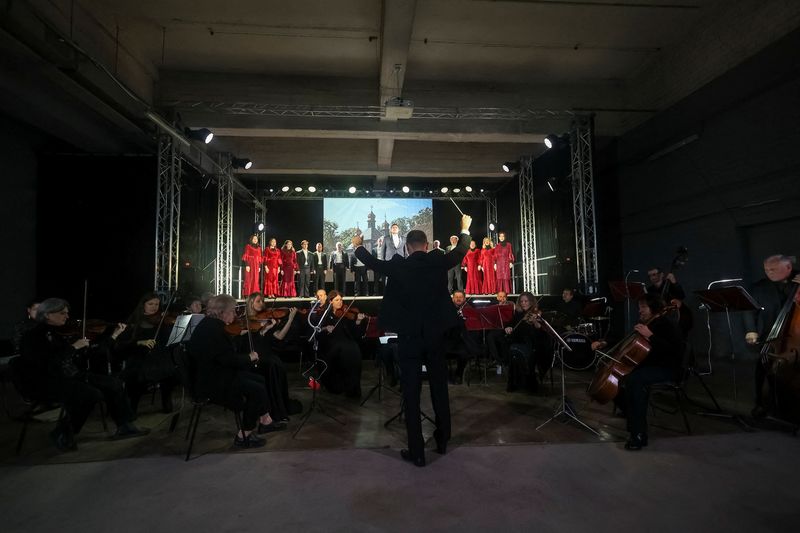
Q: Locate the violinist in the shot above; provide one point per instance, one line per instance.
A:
(272, 326)
(341, 331)
(288, 268)
(24, 326)
(252, 259)
(145, 359)
(771, 293)
(194, 305)
(322, 298)
(272, 262)
(47, 367)
(527, 347)
(224, 376)
(470, 265)
(662, 364)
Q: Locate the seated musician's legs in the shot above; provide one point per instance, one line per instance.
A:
(636, 397)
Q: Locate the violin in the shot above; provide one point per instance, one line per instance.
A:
(89, 329)
(350, 313)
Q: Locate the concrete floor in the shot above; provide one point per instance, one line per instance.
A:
(497, 476)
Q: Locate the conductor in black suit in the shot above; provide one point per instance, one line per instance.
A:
(417, 306)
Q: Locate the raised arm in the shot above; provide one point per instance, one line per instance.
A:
(372, 263)
(456, 255)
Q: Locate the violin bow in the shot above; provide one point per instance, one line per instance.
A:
(345, 311)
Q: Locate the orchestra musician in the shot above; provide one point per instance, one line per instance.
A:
(288, 268)
(224, 376)
(527, 347)
(48, 370)
(471, 264)
(461, 344)
(141, 349)
(496, 340)
(418, 307)
(194, 305)
(252, 259)
(771, 293)
(319, 267)
(25, 325)
(272, 263)
(570, 306)
(488, 266)
(504, 259)
(672, 293)
(339, 347)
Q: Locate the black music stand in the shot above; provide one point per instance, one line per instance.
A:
(626, 291)
(566, 405)
(385, 342)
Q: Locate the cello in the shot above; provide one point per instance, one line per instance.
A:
(780, 355)
(623, 358)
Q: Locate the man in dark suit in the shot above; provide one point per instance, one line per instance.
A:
(340, 261)
(319, 266)
(359, 271)
(304, 266)
(417, 306)
(379, 281)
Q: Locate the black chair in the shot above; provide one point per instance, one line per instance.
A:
(676, 388)
(187, 374)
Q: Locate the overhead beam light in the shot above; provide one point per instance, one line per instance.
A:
(203, 134)
(406, 189)
(241, 163)
(285, 188)
(554, 140)
(311, 188)
(456, 190)
(510, 166)
(351, 190)
(444, 189)
(298, 189)
(468, 188)
(260, 227)
(492, 226)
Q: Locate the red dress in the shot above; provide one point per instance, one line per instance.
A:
(503, 257)
(251, 257)
(272, 260)
(289, 261)
(470, 261)
(487, 263)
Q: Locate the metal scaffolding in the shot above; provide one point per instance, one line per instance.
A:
(223, 268)
(491, 217)
(583, 204)
(530, 270)
(168, 216)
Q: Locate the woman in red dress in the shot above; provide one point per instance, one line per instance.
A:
(289, 262)
(251, 260)
(488, 266)
(272, 262)
(504, 258)
(470, 264)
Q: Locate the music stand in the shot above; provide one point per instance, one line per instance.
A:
(566, 405)
(626, 291)
(385, 341)
(727, 299)
(183, 328)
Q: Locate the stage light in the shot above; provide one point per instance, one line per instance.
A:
(203, 134)
(551, 140)
(351, 190)
(468, 188)
(406, 189)
(326, 190)
(444, 189)
(456, 190)
(241, 163)
(260, 227)
(391, 192)
(551, 182)
(430, 192)
(311, 188)
(272, 190)
(510, 166)
(285, 188)
(481, 190)
(492, 226)
(298, 189)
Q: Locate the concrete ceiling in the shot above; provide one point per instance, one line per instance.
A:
(299, 87)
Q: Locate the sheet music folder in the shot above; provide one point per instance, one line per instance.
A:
(723, 299)
(621, 290)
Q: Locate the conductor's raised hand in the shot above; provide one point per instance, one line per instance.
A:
(358, 240)
(466, 221)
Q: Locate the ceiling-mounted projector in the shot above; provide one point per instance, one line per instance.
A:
(397, 108)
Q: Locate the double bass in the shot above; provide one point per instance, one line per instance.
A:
(780, 354)
(623, 358)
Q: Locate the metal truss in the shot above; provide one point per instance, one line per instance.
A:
(583, 204)
(277, 194)
(168, 216)
(491, 217)
(366, 111)
(223, 268)
(530, 270)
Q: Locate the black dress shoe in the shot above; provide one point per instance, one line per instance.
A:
(406, 455)
(269, 428)
(441, 447)
(250, 441)
(636, 442)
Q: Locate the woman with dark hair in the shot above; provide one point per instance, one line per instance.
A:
(224, 376)
(524, 340)
(48, 369)
(145, 359)
(339, 348)
(289, 262)
(272, 263)
(470, 264)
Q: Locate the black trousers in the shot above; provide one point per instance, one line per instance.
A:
(318, 281)
(636, 394)
(378, 284)
(344, 367)
(415, 351)
(454, 279)
(272, 370)
(80, 394)
(303, 281)
(339, 272)
(360, 284)
(248, 394)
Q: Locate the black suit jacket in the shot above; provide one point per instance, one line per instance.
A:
(301, 261)
(416, 300)
(771, 296)
(345, 259)
(216, 358)
(313, 259)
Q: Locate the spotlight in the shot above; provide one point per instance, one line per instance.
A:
(311, 188)
(392, 191)
(260, 227)
(492, 226)
(551, 183)
(468, 188)
(326, 190)
(272, 190)
(510, 166)
(406, 188)
(351, 190)
(241, 163)
(551, 140)
(456, 190)
(203, 134)
(430, 192)
(298, 189)
(444, 189)
(481, 190)
(285, 188)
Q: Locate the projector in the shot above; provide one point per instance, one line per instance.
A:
(397, 108)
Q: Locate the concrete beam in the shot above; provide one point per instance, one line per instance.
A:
(382, 135)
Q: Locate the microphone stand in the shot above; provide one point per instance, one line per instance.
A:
(315, 405)
(628, 301)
